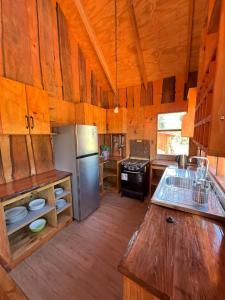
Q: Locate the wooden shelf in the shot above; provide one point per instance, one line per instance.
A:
(25, 240)
(109, 173)
(64, 194)
(31, 216)
(58, 211)
(63, 219)
(155, 180)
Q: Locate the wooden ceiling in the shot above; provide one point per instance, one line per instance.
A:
(153, 38)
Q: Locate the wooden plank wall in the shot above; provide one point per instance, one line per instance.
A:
(22, 156)
(144, 105)
(39, 48)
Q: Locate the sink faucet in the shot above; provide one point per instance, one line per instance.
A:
(200, 158)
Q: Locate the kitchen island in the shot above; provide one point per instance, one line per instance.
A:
(181, 257)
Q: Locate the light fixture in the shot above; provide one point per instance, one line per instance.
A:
(116, 108)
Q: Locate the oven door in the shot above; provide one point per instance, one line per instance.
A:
(132, 180)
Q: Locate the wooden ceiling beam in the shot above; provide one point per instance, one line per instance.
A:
(189, 37)
(137, 42)
(94, 43)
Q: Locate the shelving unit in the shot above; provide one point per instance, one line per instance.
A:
(18, 240)
(210, 110)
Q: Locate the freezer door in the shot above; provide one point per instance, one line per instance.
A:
(86, 140)
(88, 185)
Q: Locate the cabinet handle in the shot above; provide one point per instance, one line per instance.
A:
(27, 121)
(32, 122)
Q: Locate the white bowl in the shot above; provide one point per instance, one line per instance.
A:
(38, 225)
(37, 204)
(15, 214)
(58, 191)
(60, 203)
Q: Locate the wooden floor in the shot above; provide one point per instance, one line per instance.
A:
(81, 261)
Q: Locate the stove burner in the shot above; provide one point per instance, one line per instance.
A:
(134, 164)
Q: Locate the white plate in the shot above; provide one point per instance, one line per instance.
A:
(58, 191)
(60, 203)
(37, 204)
(15, 214)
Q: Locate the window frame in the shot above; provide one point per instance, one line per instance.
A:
(167, 156)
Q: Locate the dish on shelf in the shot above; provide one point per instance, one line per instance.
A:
(15, 214)
(38, 225)
(58, 191)
(36, 204)
(60, 203)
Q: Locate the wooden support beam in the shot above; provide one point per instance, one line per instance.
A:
(137, 42)
(94, 42)
(189, 36)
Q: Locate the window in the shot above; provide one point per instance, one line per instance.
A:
(169, 139)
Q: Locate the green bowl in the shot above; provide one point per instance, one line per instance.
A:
(38, 225)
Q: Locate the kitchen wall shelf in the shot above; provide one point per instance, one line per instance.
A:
(17, 241)
(210, 105)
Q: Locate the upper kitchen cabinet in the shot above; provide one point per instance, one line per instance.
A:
(61, 112)
(23, 109)
(210, 105)
(117, 123)
(189, 118)
(88, 114)
(38, 108)
(13, 108)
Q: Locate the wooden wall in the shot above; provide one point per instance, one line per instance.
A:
(39, 48)
(144, 105)
(24, 155)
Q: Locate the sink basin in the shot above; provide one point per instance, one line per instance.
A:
(179, 182)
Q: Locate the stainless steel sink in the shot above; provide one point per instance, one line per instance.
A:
(179, 182)
(178, 189)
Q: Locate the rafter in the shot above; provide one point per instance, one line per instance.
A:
(94, 43)
(137, 42)
(189, 35)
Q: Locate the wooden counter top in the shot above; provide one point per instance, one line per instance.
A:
(18, 187)
(179, 261)
(163, 162)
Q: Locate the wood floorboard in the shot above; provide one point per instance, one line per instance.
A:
(80, 263)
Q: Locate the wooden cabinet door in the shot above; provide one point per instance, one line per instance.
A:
(89, 114)
(38, 107)
(13, 107)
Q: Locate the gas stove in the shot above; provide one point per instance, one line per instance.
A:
(134, 164)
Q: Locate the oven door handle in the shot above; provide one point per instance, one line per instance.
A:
(131, 172)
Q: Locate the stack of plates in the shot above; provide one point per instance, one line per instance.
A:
(58, 191)
(36, 204)
(60, 203)
(15, 214)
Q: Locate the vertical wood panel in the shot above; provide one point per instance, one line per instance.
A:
(82, 74)
(49, 54)
(2, 178)
(65, 56)
(168, 90)
(19, 157)
(16, 42)
(149, 94)
(130, 97)
(88, 83)
(2, 69)
(104, 99)
(42, 149)
(75, 69)
(137, 96)
(143, 95)
(6, 158)
(123, 97)
(93, 89)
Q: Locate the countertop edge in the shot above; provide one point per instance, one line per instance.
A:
(63, 175)
(125, 271)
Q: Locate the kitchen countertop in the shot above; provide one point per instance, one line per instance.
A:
(18, 187)
(179, 261)
(163, 162)
(178, 195)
